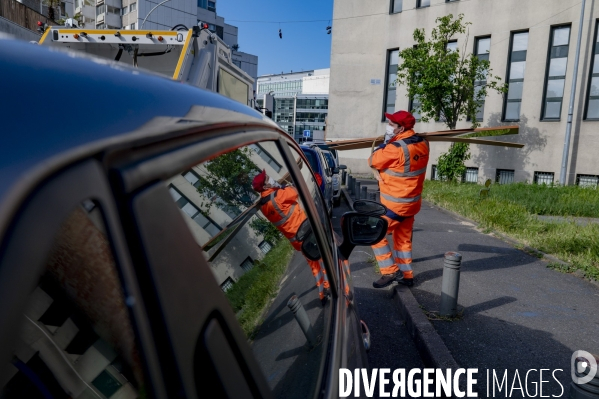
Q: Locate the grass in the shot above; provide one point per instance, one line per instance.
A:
(250, 295)
(511, 209)
(375, 264)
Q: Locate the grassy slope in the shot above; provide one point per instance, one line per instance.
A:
(511, 209)
(253, 291)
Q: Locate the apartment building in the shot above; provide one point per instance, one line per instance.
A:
(531, 45)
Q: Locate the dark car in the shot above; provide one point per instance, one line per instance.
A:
(322, 171)
(133, 259)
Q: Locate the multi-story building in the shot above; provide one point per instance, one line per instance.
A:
(130, 14)
(531, 45)
(301, 101)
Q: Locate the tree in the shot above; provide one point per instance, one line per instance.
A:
(443, 81)
(227, 184)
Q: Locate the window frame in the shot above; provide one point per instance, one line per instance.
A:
(419, 4)
(498, 172)
(386, 86)
(477, 39)
(590, 77)
(537, 174)
(507, 75)
(552, 29)
(579, 175)
(392, 7)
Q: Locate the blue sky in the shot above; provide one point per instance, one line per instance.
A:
(304, 45)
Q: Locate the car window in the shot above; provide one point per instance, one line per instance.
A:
(311, 156)
(243, 210)
(76, 339)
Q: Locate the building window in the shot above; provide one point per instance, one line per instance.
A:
(396, 6)
(471, 175)
(423, 3)
(515, 76)
(192, 178)
(590, 181)
(390, 82)
(132, 7)
(556, 73)
(194, 213)
(227, 284)
(504, 176)
(434, 174)
(543, 178)
(132, 27)
(247, 264)
(592, 111)
(265, 247)
(203, 3)
(266, 156)
(211, 6)
(482, 48)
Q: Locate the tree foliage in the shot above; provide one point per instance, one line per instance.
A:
(444, 82)
(229, 177)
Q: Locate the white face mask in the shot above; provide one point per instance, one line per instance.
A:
(389, 133)
(272, 182)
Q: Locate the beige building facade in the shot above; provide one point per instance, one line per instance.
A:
(531, 44)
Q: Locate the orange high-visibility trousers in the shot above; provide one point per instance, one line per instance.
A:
(318, 271)
(400, 257)
(320, 275)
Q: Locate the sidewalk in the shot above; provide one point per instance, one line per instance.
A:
(518, 314)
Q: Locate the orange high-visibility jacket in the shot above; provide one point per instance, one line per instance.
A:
(402, 166)
(281, 208)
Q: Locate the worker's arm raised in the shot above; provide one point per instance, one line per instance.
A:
(385, 157)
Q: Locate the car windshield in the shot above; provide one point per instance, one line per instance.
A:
(312, 159)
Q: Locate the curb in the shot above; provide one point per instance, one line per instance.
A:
(428, 342)
(431, 347)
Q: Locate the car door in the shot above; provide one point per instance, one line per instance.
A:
(224, 275)
(73, 322)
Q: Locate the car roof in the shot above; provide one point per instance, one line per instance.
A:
(58, 102)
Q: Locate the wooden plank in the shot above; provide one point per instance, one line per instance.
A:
(475, 141)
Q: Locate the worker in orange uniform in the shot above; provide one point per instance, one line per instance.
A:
(401, 162)
(279, 205)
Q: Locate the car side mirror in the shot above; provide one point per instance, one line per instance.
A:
(310, 247)
(342, 167)
(370, 208)
(364, 226)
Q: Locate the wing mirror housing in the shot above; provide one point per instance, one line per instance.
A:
(363, 226)
(342, 167)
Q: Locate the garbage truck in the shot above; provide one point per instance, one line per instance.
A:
(196, 56)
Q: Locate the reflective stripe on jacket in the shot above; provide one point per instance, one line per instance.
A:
(281, 208)
(402, 166)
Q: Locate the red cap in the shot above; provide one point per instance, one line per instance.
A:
(402, 118)
(259, 180)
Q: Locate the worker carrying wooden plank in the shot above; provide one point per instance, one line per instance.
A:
(401, 162)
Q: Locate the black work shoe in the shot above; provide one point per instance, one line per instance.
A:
(387, 279)
(407, 281)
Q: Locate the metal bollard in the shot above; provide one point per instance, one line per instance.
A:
(364, 193)
(372, 196)
(451, 284)
(377, 197)
(350, 183)
(302, 319)
(357, 189)
(344, 178)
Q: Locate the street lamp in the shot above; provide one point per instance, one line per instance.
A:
(151, 11)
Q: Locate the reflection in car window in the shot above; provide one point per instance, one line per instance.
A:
(76, 337)
(256, 257)
(312, 159)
